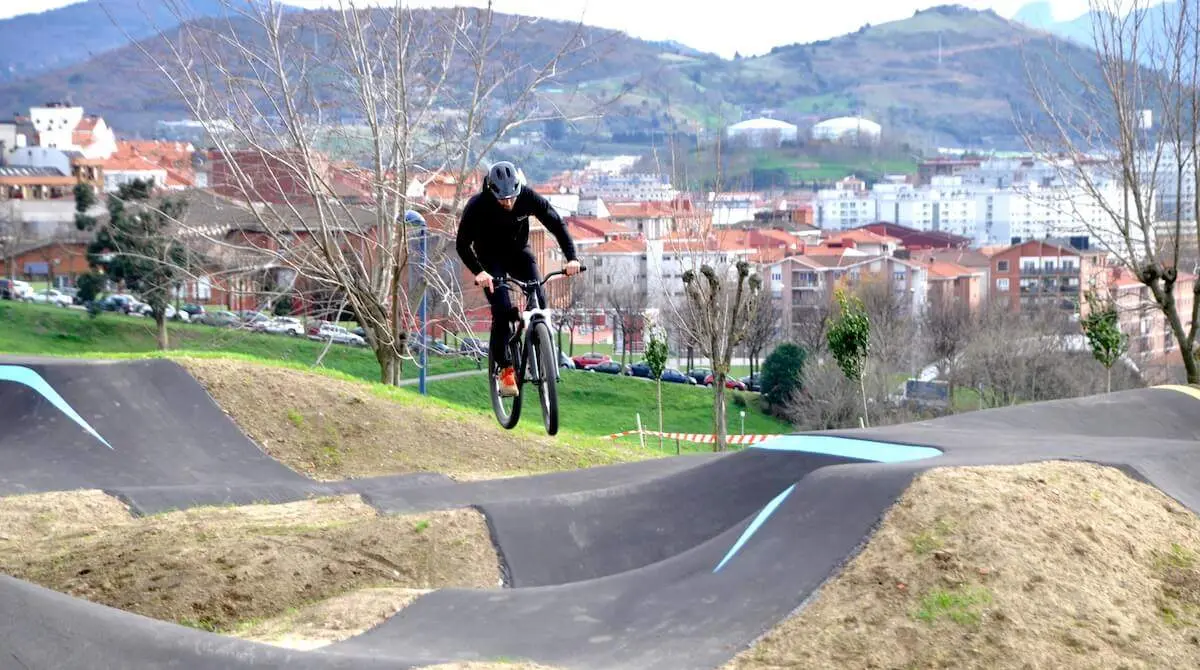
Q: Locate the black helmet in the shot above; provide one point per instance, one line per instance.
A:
(504, 181)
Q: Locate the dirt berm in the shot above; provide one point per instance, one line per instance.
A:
(232, 569)
(1042, 566)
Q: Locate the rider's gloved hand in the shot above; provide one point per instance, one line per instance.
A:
(485, 280)
(571, 268)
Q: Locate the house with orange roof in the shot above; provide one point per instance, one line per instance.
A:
(865, 240)
(657, 219)
(954, 284)
(802, 283)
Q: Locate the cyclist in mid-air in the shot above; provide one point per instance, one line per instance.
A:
(493, 240)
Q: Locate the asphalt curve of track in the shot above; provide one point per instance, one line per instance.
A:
(672, 563)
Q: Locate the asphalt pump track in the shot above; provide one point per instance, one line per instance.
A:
(673, 563)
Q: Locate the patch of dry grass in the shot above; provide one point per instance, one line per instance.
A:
(1052, 565)
(217, 567)
(331, 429)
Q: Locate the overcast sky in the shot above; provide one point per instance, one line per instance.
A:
(749, 26)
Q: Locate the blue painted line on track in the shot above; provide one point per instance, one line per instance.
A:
(27, 377)
(864, 450)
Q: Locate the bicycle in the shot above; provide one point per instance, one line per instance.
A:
(534, 356)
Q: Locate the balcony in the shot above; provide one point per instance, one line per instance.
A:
(1035, 271)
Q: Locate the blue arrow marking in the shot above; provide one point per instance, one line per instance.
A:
(753, 527)
(27, 377)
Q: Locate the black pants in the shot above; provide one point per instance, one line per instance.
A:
(520, 265)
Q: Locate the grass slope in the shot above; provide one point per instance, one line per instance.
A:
(601, 404)
(38, 329)
(1048, 565)
(590, 404)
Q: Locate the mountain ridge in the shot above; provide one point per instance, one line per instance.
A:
(946, 74)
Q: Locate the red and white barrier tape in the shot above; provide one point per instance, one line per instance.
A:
(702, 438)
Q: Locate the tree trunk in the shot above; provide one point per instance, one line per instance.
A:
(719, 421)
(862, 387)
(160, 320)
(390, 365)
(1109, 370)
(660, 415)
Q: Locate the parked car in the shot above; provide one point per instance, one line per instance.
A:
(730, 383)
(473, 346)
(15, 289)
(49, 296)
(121, 302)
(699, 374)
(590, 358)
(752, 383)
(252, 319)
(221, 319)
(676, 377)
(608, 368)
(331, 331)
(565, 362)
(640, 369)
(282, 325)
(193, 310)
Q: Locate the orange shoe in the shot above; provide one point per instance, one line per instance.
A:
(508, 382)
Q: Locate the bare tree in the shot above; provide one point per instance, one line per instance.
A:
(574, 310)
(763, 329)
(715, 314)
(414, 94)
(12, 237)
(1144, 70)
(947, 327)
(893, 330)
(626, 302)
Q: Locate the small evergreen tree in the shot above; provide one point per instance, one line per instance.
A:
(1102, 327)
(782, 373)
(656, 358)
(849, 341)
(136, 247)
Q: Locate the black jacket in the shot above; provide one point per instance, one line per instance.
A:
(487, 234)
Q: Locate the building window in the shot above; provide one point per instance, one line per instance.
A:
(1001, 266)
(1002, 284)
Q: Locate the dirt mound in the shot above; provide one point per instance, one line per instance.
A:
(332, 429)
(224, 569)
(1053, 565)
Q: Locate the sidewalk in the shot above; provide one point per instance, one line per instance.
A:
(433, 378)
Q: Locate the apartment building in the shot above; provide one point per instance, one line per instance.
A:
(1040, 274)
(1151, 343)
(805, 282)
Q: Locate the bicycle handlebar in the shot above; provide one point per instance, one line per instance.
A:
(504, 279)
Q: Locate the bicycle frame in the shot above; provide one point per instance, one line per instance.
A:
(533, 312)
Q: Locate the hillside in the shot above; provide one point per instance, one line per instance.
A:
(944, 75)
(34, 43)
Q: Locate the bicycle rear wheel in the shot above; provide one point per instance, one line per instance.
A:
(546, 360)
(507, 410)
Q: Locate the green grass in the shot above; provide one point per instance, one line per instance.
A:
(960, 605)
(600, 404)
(40, 329)
(591, 405)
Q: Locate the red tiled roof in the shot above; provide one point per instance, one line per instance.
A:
(863, 236)
(619, 247)
(600, 227)
(945, 270)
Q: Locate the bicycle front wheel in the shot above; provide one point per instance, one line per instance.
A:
(547, 375)
(507, 410)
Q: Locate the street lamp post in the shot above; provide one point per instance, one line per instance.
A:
(415, 219)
